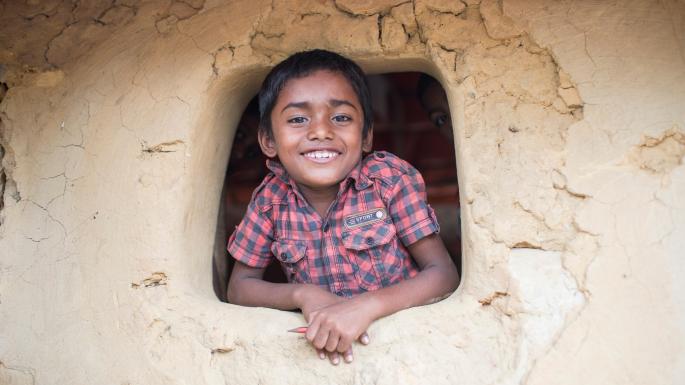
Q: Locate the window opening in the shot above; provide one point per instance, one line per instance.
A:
(411, 120)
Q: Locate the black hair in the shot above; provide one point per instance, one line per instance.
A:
(303, 64)
(425, 81)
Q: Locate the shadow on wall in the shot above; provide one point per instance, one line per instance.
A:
(3, 177)
(411, 119)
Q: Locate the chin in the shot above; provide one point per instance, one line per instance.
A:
(322, 181)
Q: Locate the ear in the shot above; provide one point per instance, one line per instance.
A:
(266, 143)
(367, 142)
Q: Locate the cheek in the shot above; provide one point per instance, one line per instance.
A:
(289, 144)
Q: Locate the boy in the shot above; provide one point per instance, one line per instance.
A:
(355, 236)
(434, 101)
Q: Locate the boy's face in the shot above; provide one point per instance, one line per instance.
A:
(438, 108)
(317, 126)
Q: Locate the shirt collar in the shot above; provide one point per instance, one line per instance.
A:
(277, 168)
(361, 181)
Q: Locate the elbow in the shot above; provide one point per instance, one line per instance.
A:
(233, 294)
(452, 278)
(241, 284)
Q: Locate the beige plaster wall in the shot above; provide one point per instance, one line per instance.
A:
(116, 127)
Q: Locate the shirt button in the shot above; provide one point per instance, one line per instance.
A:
(369, 241)
(284, 255)
(326, 227)
(380, 155)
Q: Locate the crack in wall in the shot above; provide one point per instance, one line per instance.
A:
(103, 19)
(158, 278)
(43, 13)
(661, 154)
(227, 49)
(455, 8)
(161, 147)
(48, 46)
(3, 174)
(50, 216)
(17, 375)
(176, 11)
(3, 180)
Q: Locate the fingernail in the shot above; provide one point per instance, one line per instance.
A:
(348, 358)
(365, 339)
(322, 355)
(336, 361)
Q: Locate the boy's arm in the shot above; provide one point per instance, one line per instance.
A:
(250, 245)
(246, 287)
(437, 278)
(336, 326)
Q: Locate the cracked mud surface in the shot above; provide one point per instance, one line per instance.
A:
(115, 128)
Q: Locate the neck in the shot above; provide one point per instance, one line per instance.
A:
(320, 199)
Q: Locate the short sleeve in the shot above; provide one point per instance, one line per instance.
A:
(251, 241)
(413, 217)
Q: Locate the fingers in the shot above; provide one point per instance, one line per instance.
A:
(345, 345)
(312, 330)
(309, 316)
(347, 356)
(321, 338)
(334, 357)
(333, 341)
(338, 352)
(329, 339)
(364, 339)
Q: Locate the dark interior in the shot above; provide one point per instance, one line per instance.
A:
(402, 125)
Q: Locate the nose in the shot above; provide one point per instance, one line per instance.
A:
(320, 128)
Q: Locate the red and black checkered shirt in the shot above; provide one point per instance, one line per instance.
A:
(361, 246)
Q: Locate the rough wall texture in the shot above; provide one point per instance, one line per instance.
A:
(115, 131)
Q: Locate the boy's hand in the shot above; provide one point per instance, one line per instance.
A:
(312, 298)
(347, 356)
(334, 327)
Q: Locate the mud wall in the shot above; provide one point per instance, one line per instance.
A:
(116, 122)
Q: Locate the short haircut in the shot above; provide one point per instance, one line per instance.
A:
(303, 64)
(425, 81)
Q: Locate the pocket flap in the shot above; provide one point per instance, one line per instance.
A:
(288, 251)
(365, 238)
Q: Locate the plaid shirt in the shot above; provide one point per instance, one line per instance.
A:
(360, 246)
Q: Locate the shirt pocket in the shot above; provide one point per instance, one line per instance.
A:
(372, 251)
(292, 256)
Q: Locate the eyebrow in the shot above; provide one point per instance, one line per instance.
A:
(338, 102)
(295, 105)
(332, 102)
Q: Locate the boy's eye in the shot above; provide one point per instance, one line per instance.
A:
(297, 120)
(440, 120)
(341, 118)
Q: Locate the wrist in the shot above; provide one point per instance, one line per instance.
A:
(372, 305)
(298, 293)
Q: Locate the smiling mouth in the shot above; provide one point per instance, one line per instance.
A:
(321, 156)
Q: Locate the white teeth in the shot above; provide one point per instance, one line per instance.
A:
(321, 154)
